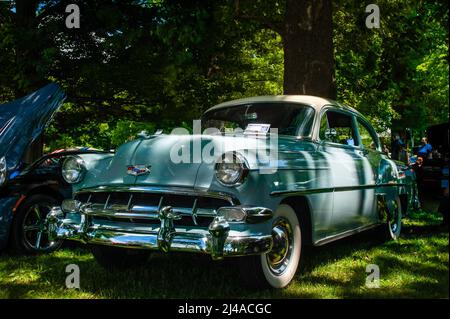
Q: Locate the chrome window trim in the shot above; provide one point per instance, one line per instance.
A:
(372, 132)
(337, 109)
(296, 135)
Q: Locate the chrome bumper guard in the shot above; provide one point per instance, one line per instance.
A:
(74, 221)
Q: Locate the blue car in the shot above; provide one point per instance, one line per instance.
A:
(27, 192)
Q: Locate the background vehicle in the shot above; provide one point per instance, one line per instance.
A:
(29, 187)
(436, 168)
(21, 124)
(37, 189)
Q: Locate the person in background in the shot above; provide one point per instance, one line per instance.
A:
(404, 152)
(425, 150)
(418, 170)
(397, 147)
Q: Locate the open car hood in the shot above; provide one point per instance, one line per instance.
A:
(23, 120)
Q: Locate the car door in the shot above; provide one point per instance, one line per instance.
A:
(340, 144)
(371, 156)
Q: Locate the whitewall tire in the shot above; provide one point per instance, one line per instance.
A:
(277, 268)
(394, 223)
(391, 228)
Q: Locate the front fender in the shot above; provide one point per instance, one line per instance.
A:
(391, 185)
(97, 170)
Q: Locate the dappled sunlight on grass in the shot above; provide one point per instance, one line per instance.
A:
(416, 266)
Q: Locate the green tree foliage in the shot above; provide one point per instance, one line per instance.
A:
(397, 74)
(160, 63)
(144, 65)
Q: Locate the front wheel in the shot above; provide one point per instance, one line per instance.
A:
(276, 268)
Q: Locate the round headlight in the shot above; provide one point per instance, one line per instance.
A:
(231, 169)
(73, 169)
(3, 171)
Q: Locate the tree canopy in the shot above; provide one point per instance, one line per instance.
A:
(135, 65)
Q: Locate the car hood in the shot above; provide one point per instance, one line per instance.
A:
(24, 119)
(171, 159)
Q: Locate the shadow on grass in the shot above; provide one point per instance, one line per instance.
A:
(415, 266)
(411, 267)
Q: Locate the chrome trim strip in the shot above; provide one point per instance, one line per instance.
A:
(332, 189)
(144, 212)
(302, 191)
(194, 212)
(302, 168)
(144, 209)
(107, 201)
(347, 233)
(129, 202)
(124, 227)
(161, 190)
(123, 215)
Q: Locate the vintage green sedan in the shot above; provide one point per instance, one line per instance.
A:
(260, 179)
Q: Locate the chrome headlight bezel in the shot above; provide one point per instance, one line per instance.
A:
(80, 167)
(230, 161)
(3, 171)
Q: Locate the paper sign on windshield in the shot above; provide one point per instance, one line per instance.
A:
(257, 128)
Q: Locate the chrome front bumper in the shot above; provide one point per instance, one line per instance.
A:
(222, 238)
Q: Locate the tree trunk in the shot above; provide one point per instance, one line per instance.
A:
(308, 48)
(25, 46)
(25, 13)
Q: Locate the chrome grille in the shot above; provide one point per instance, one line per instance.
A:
(142, 208)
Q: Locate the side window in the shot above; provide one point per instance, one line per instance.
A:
(367, 139)
(323, 127)
(337, 127)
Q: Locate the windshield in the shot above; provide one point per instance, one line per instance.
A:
(289, 118)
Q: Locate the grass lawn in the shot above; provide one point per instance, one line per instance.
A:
(416, 266)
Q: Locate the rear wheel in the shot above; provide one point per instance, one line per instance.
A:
(115, 258)
(416, 201)
(29, 230)
(276, 268)
(392, 228)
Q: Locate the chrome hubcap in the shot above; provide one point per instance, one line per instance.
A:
(35, 232)
(279, 257)
(394, 218)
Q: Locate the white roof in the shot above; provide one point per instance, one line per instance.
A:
(314, 101)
